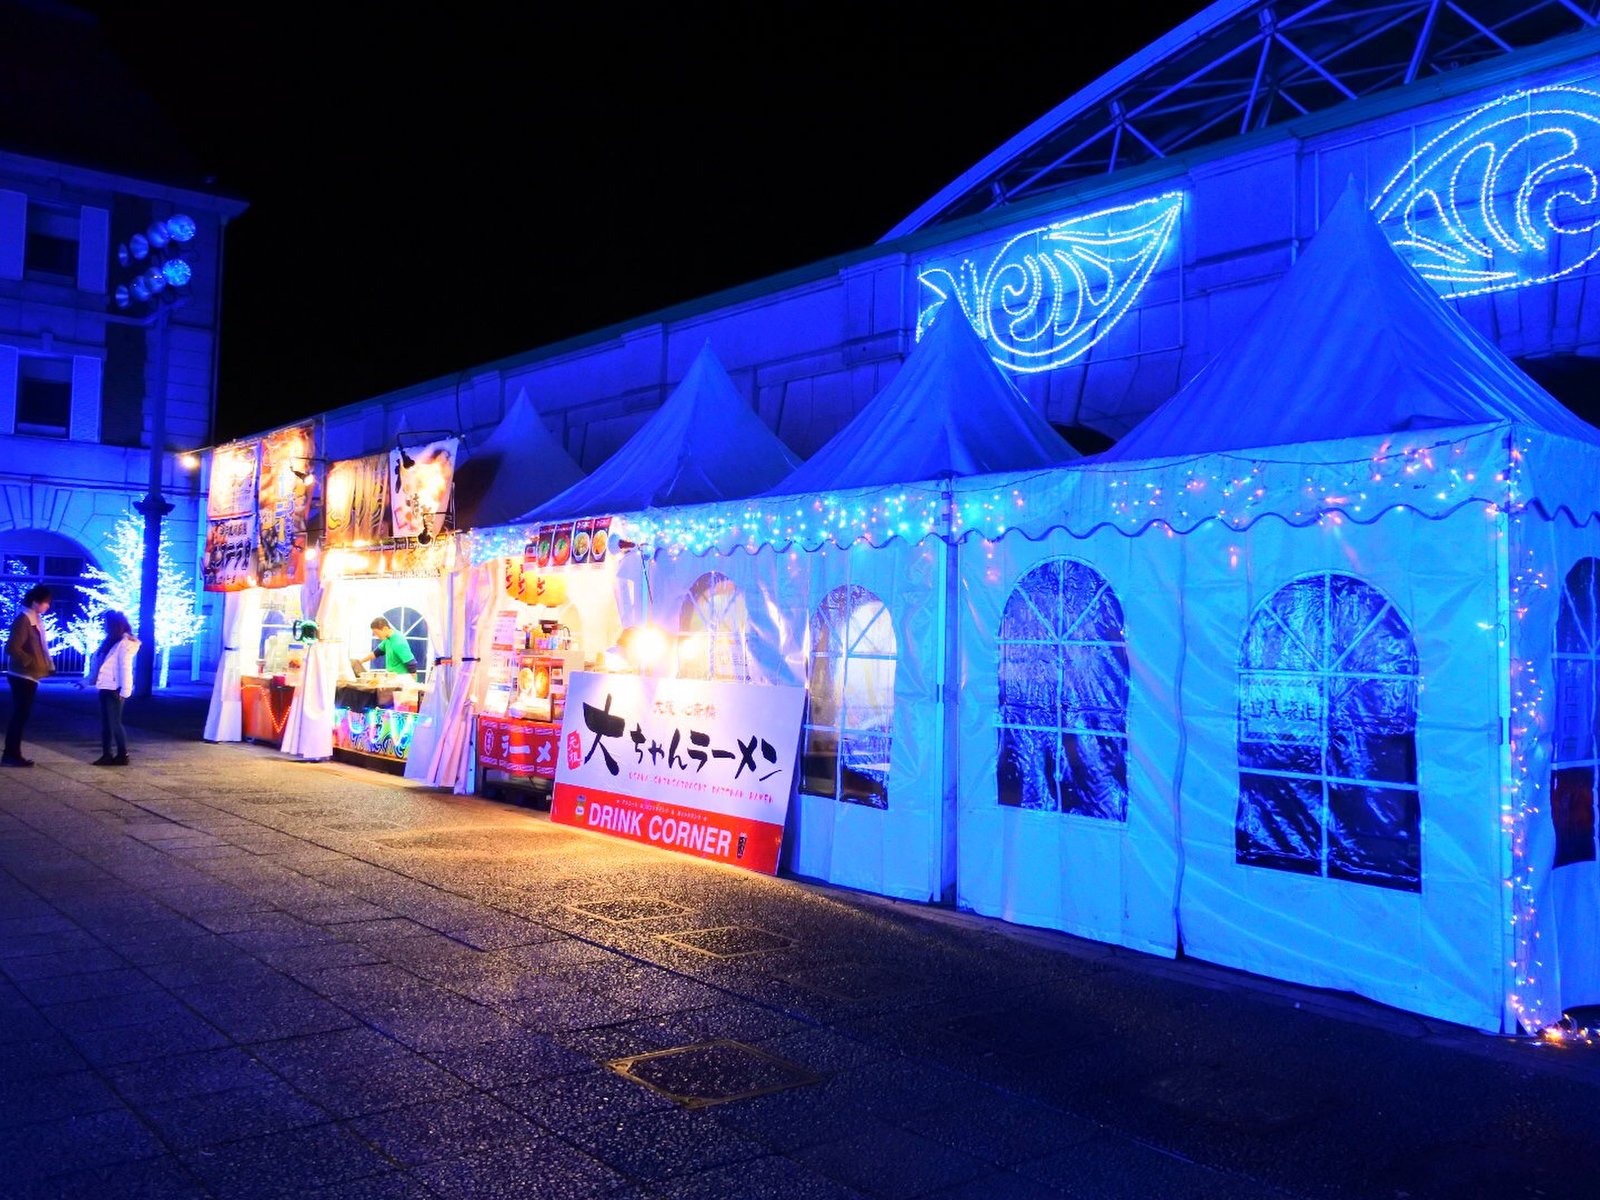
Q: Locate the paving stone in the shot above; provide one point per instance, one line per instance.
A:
(892, 1163)
(63, 989)
(521, 1059)
(28, 1101)
(216, 1117)
(764, 1179)
(150, 1179)
(203, 1073)
(545, 1169)
(91, 1140)
(180, 1034)
(444, 1128)
(661, 1145)
(284, 1163)
(570, 1102)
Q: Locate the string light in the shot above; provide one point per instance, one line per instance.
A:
(1053, 291)
(1446, 199)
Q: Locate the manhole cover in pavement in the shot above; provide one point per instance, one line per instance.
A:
(728, 941)
(851, 981)
(628, 908)
(713, 1072)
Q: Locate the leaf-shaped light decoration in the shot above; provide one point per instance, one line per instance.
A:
(1504, 197)
(1051, 292)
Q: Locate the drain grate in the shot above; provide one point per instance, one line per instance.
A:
(712, 1072)
(628, 908)
(728, 941)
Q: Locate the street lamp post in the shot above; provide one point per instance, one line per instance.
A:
(159, 262)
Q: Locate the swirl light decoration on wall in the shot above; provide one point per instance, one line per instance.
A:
(1051, 292)
(1486, 204)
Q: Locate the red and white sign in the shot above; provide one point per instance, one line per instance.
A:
(517, 747)
(700, 767)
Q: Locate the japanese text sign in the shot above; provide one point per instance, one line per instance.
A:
(517, 747)
(697, 766)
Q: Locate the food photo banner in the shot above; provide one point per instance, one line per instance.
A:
(569, 544)
(288, 494)
(357, 503)
(421, 493)
(233, 481)
(230, 558)
(697, 766)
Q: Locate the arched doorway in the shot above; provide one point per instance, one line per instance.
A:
(33, 556)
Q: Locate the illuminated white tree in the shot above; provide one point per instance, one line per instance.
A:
(177, 622)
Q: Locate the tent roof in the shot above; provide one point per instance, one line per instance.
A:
(1351, 342)
(948, 411)
(518, 466)
(705, 443)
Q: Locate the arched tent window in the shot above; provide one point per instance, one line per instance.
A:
(1327, 736)
(713, 625)
(1064, 694)
(412, 626)
(851, 693)
(1575, 768)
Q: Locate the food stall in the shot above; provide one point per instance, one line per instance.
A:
(267, 690)
(555, 613)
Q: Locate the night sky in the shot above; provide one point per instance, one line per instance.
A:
(435, 186)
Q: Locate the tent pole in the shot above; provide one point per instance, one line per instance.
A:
(949, 852)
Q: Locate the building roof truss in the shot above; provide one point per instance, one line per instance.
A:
(1245, 66)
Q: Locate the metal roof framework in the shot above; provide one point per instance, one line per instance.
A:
(1240, 66)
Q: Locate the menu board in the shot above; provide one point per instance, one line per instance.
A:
(569, 544)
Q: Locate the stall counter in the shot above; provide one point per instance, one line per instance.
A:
(264, 707)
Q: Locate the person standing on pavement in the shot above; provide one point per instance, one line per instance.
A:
(113, 675)
(392, 647)
(28, 661)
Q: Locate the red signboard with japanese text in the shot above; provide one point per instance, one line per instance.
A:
(697, 766)
(518, 747)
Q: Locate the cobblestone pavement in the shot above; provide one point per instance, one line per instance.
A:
(224, 973)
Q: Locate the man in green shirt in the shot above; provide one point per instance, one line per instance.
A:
(392, 648)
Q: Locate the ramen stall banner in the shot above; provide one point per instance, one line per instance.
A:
(230, 550)
(287, 493)
(421, 493)
(357, 503)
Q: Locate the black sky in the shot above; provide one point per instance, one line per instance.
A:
(434, 186)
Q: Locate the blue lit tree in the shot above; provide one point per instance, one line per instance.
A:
(176, 621)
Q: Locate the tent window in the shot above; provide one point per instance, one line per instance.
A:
(851, 683)
(412, 626)
(713, 625)
(1574, 786)
(1064, 694)
(1327, 736)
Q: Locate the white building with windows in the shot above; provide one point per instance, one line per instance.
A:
(81, 380)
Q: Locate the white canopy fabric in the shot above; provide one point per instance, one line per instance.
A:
(1351, 342)
(241, 611)
(520, 465)
(705, 443)
(949, 411)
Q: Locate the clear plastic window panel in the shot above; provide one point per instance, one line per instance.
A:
(713, 626)
(1063, 695)
(1327, 717)
(1575, 769)
(851, 699)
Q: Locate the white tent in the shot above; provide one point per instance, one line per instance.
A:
(705, 443)
(845, 589)
(1288, 700)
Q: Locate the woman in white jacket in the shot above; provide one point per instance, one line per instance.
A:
(113, 676)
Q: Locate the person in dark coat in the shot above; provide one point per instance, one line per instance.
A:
(28, 663)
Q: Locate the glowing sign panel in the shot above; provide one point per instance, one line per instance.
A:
(1050, 293)
(1486, 204)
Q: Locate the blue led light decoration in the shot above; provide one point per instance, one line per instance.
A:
(1503, 198)
(1051, 292)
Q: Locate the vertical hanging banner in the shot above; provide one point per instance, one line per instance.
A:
(288, 492)
(230, 558)
(233, 481)
(701, 767)
(421, 493)
(357, 501)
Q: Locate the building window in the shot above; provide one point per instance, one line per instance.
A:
(44, 396)
(712, 624)
(1064, 694)
(1327, 736)
(412, 626)
(1575, 767)
(51, 250)
(851, 699)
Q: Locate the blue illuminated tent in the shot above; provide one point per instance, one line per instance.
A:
(705, 443)
(518, 466)
(1299, 676)
(949, 411)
